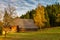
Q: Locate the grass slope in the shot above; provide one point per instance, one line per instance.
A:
(43, 34)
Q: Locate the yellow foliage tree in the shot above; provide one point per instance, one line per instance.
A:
(39, 16)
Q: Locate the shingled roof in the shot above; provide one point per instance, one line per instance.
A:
(24, 23)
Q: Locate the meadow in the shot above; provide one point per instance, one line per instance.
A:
(42, 34)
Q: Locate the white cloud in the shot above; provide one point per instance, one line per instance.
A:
(23, 6)
(20, 12)
(14, 0)
(58, 1)
(2, 6)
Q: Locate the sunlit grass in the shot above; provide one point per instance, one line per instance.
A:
(45, 34)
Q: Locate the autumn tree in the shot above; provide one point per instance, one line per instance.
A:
(8, 17)
(48, 16)
(1, 23)
(39, 16)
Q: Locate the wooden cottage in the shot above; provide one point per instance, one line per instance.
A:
(22, 25)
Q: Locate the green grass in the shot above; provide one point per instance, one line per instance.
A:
(45, 34)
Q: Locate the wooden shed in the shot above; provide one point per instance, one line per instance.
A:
(22, 25)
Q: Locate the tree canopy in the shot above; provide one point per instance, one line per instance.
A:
(48, 14)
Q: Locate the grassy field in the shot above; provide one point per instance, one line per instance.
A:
(43, 34)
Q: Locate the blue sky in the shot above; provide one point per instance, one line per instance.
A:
(22, 6)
